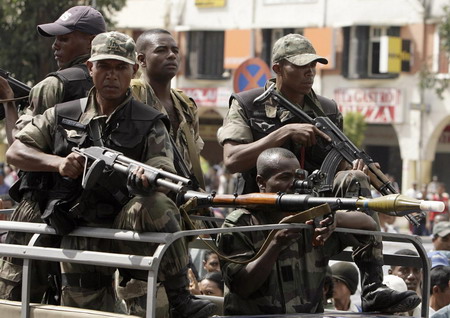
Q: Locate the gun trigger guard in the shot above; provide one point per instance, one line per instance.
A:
(91, 176)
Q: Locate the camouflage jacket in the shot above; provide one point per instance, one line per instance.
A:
(243, 126)
(40, 133)
(187, 115)
(296, 282)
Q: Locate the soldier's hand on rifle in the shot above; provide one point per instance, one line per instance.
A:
(284, 238)
(358, 164)
(6, 91)
(324, 230)
(72, 166)
(305, 134)
(138, 183)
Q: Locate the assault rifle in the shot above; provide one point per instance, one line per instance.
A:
(21, 92)
(338, 149)
(101, 158)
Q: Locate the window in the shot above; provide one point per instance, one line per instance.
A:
(361, 56)
(205, 54)
(270, 36)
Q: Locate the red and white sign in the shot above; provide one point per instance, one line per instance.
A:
(378, 105)
(211, 97)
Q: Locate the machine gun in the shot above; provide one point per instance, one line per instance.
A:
(21, 92)
(99, 158)
(340, 148)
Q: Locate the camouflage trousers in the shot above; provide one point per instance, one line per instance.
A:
(367, 250)
(153, 213)
(42, 272)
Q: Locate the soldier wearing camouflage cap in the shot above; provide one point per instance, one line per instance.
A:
(73, 32)
(109, 117)
(249, 128)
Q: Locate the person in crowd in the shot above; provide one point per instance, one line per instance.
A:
(211, 262)
(345, 282)
(73, 32)
(432, 186)
(212, 178)
(387, 223)
(397, 283)
(288, 276)
(441, 236)
(439, 288)
(139, 132)
(414, 191)
(440, 195)
(212, 284)
(411, 275)
(10, 175)
(249, 128)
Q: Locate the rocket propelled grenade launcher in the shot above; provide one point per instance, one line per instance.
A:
(101, 159)
(392, 204)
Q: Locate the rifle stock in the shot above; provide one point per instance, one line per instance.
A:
(340, 148)
(21, 92)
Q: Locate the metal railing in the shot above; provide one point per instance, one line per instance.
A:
(152, 263)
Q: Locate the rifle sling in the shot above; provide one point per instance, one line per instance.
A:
(13, 99)
(300, 217)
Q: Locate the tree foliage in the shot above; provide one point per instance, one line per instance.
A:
(23, 52)
(355, 127)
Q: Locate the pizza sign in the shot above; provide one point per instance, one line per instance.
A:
(378, 105)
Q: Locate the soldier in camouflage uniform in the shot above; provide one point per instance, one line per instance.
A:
(289, 276)
(73, 33)
(110, 117)
(249, 128)
(159, 59)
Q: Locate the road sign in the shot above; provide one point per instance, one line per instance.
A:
(252, 73)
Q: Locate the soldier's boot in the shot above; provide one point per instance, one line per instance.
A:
(182, 303)
(377, 297)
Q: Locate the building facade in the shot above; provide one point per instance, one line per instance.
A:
(379, 52)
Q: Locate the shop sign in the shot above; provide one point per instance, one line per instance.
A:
(210, 97)
(378, 105)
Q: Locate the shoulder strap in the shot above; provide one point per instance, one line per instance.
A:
(246, 98)
(192, 148)
(71, 109)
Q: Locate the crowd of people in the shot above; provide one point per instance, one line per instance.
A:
(95, 99)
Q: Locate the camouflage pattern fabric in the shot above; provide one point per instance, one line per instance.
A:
(113, 45)
(296, 282)
(11, 268)
(187, 115)
(155, 212)
(296, 49)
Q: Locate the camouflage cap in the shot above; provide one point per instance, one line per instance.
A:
(296, 49)
(115, 46)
